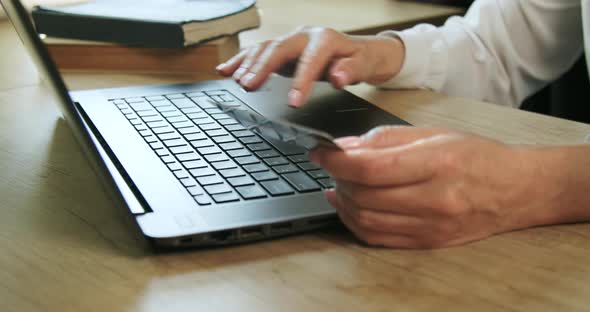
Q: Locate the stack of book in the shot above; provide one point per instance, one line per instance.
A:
(144, 35)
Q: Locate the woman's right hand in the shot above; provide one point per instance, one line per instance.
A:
(317, 53)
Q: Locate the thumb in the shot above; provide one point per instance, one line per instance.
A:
(387, 136)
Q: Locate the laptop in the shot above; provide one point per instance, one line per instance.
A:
(189, 169)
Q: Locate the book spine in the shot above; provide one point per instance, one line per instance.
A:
(128, 32)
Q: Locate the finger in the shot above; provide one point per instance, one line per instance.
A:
(346, 71)
(251, 56)
(410, 201)
(370, 237)
(324, 45)
(393, 166)
(388, 218)
(277, 54)
(229, 67)
(388, 136)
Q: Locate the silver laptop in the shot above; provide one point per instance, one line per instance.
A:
(187, 164)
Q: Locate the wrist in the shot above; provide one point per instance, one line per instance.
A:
(388, 54)
(554, 185)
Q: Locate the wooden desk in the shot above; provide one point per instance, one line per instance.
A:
(65, 247)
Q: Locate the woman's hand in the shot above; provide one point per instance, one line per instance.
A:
(412, 187)
(317, 53)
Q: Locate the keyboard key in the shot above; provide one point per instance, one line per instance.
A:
(177, 119)
(246, 160)
(276, 161)
(327, 183)
(251, 192)
(243, 133)
(147, 113)
(258, 147)
(195, 94)
(202, 143)
(226, 164)
(217, 189)
(225, 197)
(140, 105)
(183, 103)
(264, 176)
(175, 142)
(161, 130)
(195, 136)
(235, 127)
(182, 124)
(255, 168)
(230, 146)
(197, 115)
(267, 153)
(218, 132)
(227, 122)
(169, 136)
(175, 96)
(299, 158)
(195, 164)
(154, 98)
(238, 153)
(168, 159)
(209, 126)
(301, 182)
(191, 110)
(223, 139)
(181, 149)
(209, 180)
(202, 172)
(213, 111)
(250, 140)
(157, 124)
(145, 133)
(188, 157)
(188, 182)
(215, 157)
(240, 181)
(162, 152)
(136, 122)
(202, 200)
(209, 150)
(220, 116)
(204, 102)
(119, 102)
(277, 187)
(287, 149)
(318, 174)
(285, 169)
(181, 174)
(231, 173)
(164, 107)
(171, 113)
(189, 130)
(151, 139)
(141, 127)
(156, 145)
(174, 166)
(308, 166)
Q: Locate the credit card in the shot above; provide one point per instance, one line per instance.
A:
(276, 129)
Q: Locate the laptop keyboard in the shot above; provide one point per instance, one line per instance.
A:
(216, 158)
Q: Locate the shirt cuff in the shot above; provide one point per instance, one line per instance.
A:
(425, 60)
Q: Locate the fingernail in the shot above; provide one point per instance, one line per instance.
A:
(341, 78)
(220, 66)
(247, 79)
(348, 142)
(238, 73)
(295, 98)
(314, 157)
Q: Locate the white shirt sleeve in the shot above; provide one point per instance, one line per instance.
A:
(502, 50)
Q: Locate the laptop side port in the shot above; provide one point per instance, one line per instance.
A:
(251, 232)
(280, 227)
(320, 221)
(221, 236)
